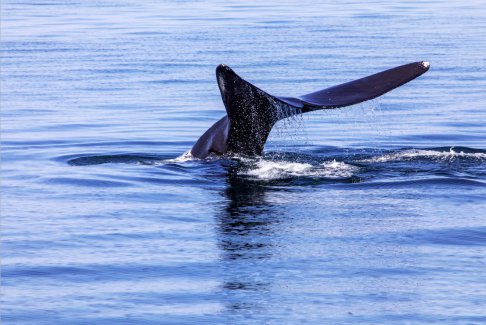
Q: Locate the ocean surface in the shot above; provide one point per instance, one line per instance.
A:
(371, 214)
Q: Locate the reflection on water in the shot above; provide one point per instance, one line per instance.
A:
(244, 234)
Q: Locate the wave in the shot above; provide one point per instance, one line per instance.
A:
(436, 154)
(112, 159)
(448, 236)
(391, 168)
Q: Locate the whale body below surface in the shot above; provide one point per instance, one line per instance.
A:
(251, 112)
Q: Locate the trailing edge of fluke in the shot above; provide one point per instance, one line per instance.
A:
(251, 112)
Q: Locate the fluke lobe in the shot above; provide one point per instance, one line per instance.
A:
(251, 112)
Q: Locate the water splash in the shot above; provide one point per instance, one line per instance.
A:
(186, 156)
(270, 170)
(289, 132)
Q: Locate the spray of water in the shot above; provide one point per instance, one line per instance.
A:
(288, 133)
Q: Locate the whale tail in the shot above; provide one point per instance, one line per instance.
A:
(253, 112)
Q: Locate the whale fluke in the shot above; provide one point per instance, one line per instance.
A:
(363, 89)
(251, 112)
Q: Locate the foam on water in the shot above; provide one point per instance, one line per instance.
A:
(186, 156)
(412, 154)
(268, 169)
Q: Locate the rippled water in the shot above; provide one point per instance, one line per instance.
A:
(370, 214)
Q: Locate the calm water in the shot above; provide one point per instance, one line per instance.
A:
(373, 214)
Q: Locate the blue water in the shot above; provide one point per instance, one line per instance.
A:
(373, 214)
